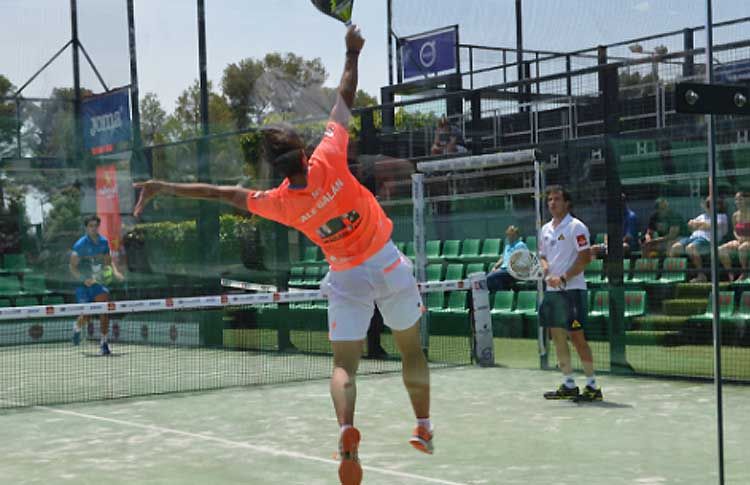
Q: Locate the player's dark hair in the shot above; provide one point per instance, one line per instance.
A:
(284, 149)
(559, 188)
(89, 218)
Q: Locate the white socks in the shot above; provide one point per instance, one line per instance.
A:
(424, 423)
(569, 381)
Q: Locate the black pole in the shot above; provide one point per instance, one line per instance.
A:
(715, 296)
(208, 218)
(18, 126)
(137, 168)
(389, 16)
(519, 39)
(688, 44)
(77, 151)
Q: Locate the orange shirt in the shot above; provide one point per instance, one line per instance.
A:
(334, 210)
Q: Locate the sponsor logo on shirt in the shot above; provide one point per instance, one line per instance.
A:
(581, 239)
(561, 237)
(330, 130)
(324, 200)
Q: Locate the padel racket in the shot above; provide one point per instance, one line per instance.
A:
(341, 10)
(525, 265)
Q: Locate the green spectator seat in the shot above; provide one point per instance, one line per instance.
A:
(505, 322)
(451, 319)
(15, 263)
(526, 306)
(4, 302)
(409, 250)
(10, 286)
(600, 236)
(600, 305)
(401, 246)
(311, 276)
(726, 308)
(744, 310)
(644, 271)
(432, 251)
(53, 300)
(593, 272)
(531, 243)
(434, 301)
(635, 303)
(469, 250)
(474, 268)
(491, 250)
(297, 276)
(454, 271)
(434, 272)
(311, 255)
(450, 249)
(674, 271)
(27, 301)
(626, 270)
(35, 284)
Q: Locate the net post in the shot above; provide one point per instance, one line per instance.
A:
(538, 185)
(484, 345)
(420, 263)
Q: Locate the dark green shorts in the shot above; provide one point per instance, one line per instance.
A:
(564, 309)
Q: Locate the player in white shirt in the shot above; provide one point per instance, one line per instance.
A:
(564, 252)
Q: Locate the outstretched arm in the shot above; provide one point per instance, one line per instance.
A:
(348, 86)
(231, 195)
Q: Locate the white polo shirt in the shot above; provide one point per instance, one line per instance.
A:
(560, 246)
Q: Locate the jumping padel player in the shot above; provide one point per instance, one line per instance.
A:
(564, 251)
(321, 198)
(89, 261)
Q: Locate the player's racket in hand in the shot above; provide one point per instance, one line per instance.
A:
(525, 265)
(341, 10)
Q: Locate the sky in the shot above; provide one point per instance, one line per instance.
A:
(31, 31)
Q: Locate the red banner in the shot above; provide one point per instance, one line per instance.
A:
(108, 206)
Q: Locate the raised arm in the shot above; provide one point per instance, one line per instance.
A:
(348, 86)
(231, 195)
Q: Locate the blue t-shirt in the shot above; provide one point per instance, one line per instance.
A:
(510, 248)
(91, 254)
(630, 227)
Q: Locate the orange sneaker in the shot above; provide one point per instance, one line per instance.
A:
(422, 440)
(350, 471)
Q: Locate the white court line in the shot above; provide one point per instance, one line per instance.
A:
(238, 444)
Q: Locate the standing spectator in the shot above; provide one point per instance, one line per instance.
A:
(699, 241)
(629, 232)
(665, 226)
(448, 139)
(499, 279)
(740, 245)
(564, 252)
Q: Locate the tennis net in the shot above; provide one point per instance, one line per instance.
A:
(186, 344)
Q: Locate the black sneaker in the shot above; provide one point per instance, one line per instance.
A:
(563, 392)
(590, 394)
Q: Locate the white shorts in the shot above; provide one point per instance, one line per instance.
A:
(386, 279)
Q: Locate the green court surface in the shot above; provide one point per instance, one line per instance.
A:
(492, 427)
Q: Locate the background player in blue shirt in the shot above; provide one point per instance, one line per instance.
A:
(89, 262)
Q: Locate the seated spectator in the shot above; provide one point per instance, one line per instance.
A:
(499, 279)
(699, 241)
(629, 232)
(665, 227)
(739, 247)
(448, 139)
